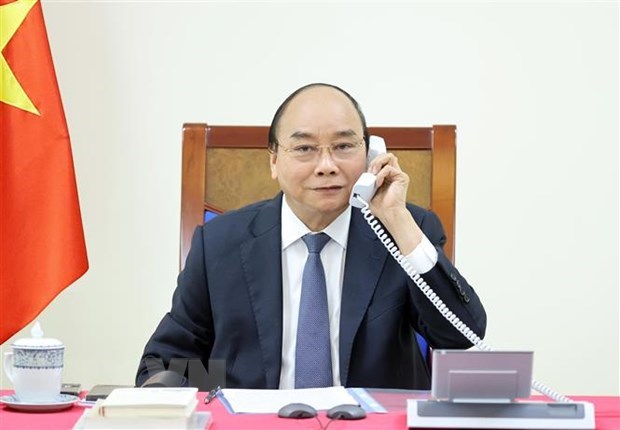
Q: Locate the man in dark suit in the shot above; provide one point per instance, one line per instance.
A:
(239, 297)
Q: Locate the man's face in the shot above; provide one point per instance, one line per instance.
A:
(318, 187)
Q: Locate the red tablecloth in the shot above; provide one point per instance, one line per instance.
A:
(607, 411)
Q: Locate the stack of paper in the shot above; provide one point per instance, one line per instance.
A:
(152, 408)
(270, 401)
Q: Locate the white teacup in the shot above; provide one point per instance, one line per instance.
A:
(34, 366)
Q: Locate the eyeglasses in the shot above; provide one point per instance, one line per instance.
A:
(306, 152)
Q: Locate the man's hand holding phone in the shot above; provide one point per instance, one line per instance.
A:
(389, 202)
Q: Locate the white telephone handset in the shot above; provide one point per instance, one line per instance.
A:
(365, 189)
(365, 186)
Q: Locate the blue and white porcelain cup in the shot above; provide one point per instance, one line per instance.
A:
(34, 367)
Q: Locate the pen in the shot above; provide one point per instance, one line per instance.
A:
(212, 394)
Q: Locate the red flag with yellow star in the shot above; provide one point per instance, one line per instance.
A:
(42, 242)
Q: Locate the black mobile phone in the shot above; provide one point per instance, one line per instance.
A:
(70, 389)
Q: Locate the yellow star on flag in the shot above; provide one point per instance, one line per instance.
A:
(11, 92)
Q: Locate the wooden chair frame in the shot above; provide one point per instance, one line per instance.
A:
(197, 137)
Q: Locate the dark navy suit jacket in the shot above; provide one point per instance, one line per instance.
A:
(228, 304)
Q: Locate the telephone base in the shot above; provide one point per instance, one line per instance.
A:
(434, 414)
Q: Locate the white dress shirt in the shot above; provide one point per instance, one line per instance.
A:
(294, 255)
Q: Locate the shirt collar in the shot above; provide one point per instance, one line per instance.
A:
(293, 229)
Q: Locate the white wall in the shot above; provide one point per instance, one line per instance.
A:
(533, 89)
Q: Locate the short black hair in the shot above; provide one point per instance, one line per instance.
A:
(273, 128)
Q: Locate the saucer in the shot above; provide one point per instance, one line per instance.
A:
(64, 401)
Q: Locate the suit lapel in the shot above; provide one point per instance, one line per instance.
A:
(364, 262)
(261, 265)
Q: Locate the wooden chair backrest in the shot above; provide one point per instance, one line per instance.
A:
(227, 167)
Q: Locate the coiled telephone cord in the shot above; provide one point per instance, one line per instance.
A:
(436, 300)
